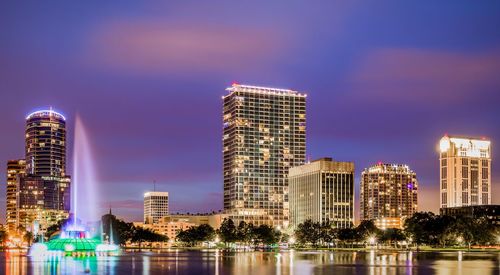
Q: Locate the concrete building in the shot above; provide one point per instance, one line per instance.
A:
(465, 171)
(322, 190)
(264, 135)
(15, 170)
(388, 194)
(155, 206)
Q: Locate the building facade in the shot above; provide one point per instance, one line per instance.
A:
(170, 225)
(15, 170)
(491, 212)
(155, 206)
(465, 171)
(264, 135)
(38, 187)
(322, 191)
(46, 143)
(388, 194)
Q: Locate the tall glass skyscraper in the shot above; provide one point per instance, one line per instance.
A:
(388, 194)
(465, 171)
(264, 135)
(41, 192)
(46, 143)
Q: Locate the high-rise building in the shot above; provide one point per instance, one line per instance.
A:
(42, 190)
(15, 170)
(388, 194)
(264, 135)
(46, 143)
(155, 206)
(465, 171)
(322, 191)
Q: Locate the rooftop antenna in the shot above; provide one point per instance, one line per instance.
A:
(154, 185)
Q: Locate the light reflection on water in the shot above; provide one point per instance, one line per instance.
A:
(242, 263)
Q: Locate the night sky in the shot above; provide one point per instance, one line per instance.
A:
(384, 81)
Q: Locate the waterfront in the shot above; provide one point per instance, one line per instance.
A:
(242, 263)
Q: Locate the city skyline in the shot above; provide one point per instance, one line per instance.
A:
(372, 98)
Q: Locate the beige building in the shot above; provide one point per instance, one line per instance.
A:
(264, 135)
(465, 171)
(15, 170)
(322, 190)
(171, 224)
(388, 194)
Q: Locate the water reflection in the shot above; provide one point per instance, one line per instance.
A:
(242, 263)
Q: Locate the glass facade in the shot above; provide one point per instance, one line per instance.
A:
(264, 135)
(46, 144)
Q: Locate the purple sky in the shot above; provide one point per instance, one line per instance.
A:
(385, 82)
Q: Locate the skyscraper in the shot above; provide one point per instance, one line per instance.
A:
(322, 190)
(15, 170)
(155, 206)
(42, 190)
(465, 171)
(46, 143)
(264, 135)
(388, 194)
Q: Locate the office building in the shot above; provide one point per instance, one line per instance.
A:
(15, 170)
(155, 206)
(491, 212)
(388, 194)
(264, 135)
(322, 191)
(46, 143)
(39, 184)
(465, 171)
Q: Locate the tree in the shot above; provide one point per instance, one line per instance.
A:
(196, 234)
(328, 234)
(392, 236)
(347, 235)
(227, 231)
(266, 234)
(365, 230)
(244, 232)
(3, 237)
(28, 237)
(308, 232)
(141, 235)
(419, 226)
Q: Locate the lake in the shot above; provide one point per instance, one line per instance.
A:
(261, 263)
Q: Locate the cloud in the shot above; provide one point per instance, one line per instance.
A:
(157, 47)
(424, 76)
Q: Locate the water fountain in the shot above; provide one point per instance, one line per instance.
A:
(75, 238)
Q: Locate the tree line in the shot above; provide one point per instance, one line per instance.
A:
(245, 234)
(423, 228)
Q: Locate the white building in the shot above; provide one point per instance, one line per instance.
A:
(155, 206)
(465, 174)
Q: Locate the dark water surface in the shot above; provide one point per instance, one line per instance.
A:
(260, 263)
